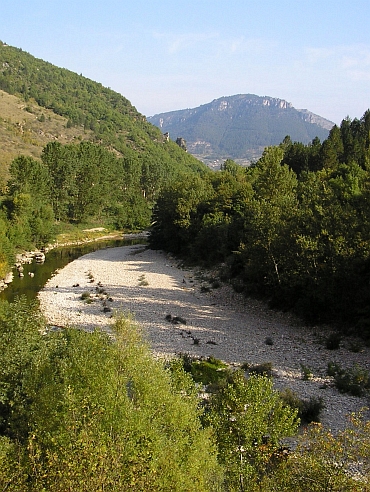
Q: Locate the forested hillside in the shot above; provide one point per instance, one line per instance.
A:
(74, 152)
(294, 228)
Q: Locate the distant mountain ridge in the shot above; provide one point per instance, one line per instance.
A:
(240, 126)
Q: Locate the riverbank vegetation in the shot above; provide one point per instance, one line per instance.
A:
(87, 411)
(294, 228)
(75, 187)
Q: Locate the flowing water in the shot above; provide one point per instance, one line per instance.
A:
(30, 285)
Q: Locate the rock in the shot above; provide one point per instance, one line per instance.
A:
(40, 257)
(8, 278)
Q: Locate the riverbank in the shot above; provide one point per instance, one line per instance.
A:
(88, 292)
(94, 235)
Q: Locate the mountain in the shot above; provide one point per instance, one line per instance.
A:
(240, 127)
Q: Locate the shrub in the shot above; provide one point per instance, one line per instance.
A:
(354, 380)
(332, 341)
(263, 369)
(308, 410)
(249, 421)
(324, 462)
(89, 414)
(143, 281)
(333, 368)
(306, 372)
(209, 371)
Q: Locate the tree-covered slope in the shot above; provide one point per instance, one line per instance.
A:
(105, 115)
(73, 151)
(241, 126)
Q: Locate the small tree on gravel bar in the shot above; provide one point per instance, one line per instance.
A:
(249, 421)
(326, 462)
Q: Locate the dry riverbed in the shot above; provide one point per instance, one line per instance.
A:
(88, 293)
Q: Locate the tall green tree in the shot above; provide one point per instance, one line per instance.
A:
(269, 218)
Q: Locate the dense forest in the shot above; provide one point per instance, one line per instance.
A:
(293, 228)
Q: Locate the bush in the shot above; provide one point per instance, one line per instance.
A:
(88, 414)
(249, 421)
(308, 410)
(332, 341)
(355, 380)
(324, 462)
(263, 369)
(306, 372)
(210, 371)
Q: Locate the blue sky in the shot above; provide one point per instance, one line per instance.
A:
(165, 55)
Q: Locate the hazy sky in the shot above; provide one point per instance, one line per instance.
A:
(167, 55)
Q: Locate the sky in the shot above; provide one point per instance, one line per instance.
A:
(169, 55)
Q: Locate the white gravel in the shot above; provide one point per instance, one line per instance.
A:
(151, 285)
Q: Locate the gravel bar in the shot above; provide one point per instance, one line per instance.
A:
(180, 313)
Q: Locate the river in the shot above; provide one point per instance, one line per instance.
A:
(30, 285)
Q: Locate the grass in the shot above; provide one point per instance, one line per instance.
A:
(143, 281)
(79, 233)
(208, 371)
(25, 128)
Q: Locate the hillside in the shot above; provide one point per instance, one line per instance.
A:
(25, 128)
(74, 154)
(50, 103)
(240, 127)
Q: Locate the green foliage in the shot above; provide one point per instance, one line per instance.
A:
(85, 411)
(263, 369)
(294, 228)
(6, 247)
(308, 409)
(80, 412)
(306, 372)
(114, 181)
(354, 380)
(249, 421)
(210, 371)
(323, 461)
(332, 341)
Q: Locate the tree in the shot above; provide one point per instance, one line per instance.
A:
(324, 461)
(174, 226)
(268, 217)
(249, 421)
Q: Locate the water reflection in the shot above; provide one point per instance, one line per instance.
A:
(37, 274)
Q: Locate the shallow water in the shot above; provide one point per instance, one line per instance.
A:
(55, 259)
